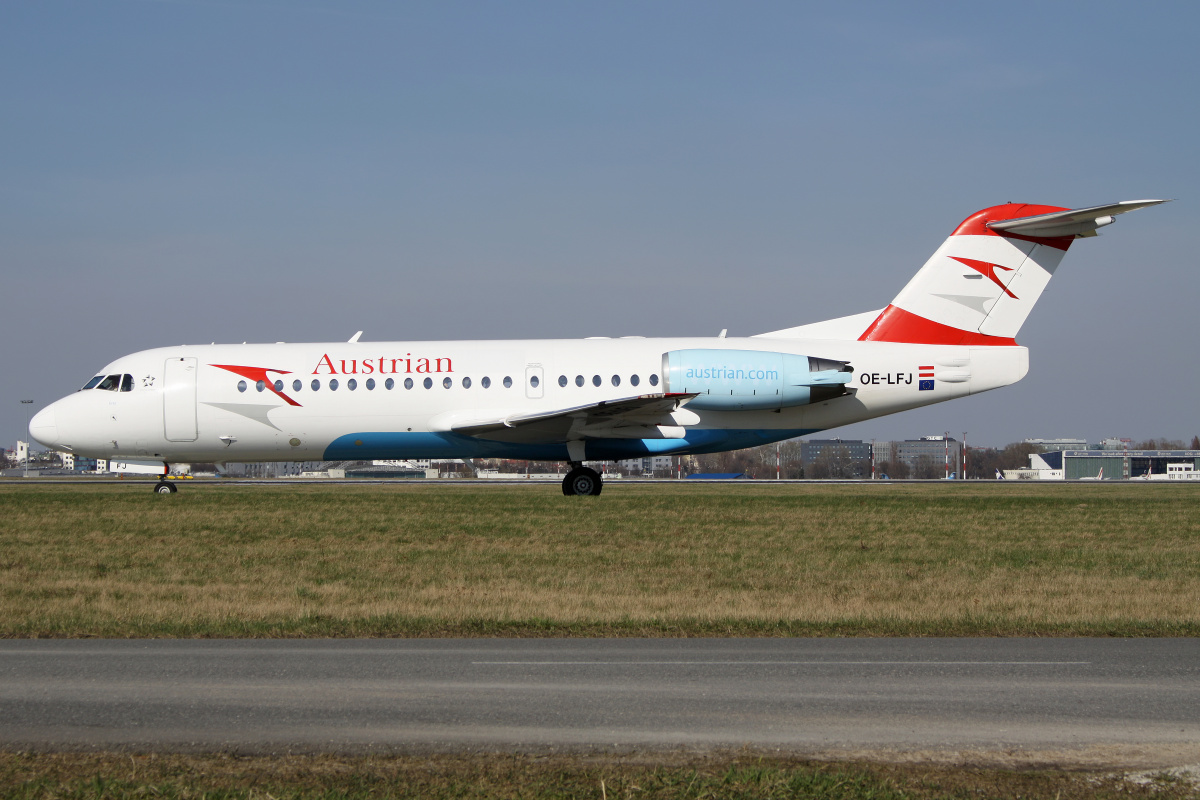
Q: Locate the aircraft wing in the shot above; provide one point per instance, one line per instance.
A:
(641, 417)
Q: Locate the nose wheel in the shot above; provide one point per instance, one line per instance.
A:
(164, 487)
(582, 481)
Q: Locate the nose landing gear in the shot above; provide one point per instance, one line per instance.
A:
(582, 480)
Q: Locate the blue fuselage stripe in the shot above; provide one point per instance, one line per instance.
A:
(367, 446)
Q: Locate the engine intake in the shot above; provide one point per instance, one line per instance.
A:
(746, 380)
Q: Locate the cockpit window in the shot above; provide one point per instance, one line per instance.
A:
(126, 383)
(110, 383)
(92, 383)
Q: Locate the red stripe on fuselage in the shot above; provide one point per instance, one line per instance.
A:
(897, 325)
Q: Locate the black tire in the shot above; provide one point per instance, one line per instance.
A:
(582, 481)
(162, 487)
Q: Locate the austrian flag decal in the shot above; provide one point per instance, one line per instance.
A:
(925, 374)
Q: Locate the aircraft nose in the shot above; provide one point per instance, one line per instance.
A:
(43, 427)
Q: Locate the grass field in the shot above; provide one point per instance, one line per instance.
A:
(649, 559)
(745, 775)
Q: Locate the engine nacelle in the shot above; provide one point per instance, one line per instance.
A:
(744, 380)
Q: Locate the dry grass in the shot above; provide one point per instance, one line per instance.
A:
(665, 559)
(736, 775)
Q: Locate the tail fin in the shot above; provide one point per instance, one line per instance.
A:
(981, 284)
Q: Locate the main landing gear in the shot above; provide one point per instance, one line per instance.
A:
(582, 480)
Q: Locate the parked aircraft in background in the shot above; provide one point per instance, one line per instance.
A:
(949, 333)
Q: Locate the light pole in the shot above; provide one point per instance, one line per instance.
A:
(963, 468)
(28, 420)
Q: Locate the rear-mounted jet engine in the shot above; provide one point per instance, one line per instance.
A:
(746, 380)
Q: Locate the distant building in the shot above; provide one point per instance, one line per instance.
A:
(812, 450)
(1055, 445)
(937, 454)
(266, 469)
(648, 465)
(1112, 465)
(1038, 470)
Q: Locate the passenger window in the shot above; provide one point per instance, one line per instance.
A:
(260, 385)
(352, 384)
(427, 383)
(241, 386)
(616, 380)
(486, 382)
(654, 379)
(126, 383)
(333, 384)
(533, 381)
(279, 386)
(110, 383)
(370, 384)
(296, 384)
(316, 384)
(507, 382)
(466, 383)
(634, 380)
(92, 383)
(562, 380)
(388, 384)
(408, 384)
(579, 380)
(447, 383)
(595, 380)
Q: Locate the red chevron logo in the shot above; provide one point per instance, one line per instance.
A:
(257, 374)
(984, 268)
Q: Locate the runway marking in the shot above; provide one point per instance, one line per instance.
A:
(783, 663)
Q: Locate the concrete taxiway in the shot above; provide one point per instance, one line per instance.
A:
(798, 695)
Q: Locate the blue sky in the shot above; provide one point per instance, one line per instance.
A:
(260, 171)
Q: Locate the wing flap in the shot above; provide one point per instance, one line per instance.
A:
(628, 417)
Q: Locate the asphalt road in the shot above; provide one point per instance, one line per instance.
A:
(801, 695)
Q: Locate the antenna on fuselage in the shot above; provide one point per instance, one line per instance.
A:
(354, 338)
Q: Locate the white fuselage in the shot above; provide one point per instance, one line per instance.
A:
(221, 403)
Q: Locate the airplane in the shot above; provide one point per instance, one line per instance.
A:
(1099, 476)
(949, 333)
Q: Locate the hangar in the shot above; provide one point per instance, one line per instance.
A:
(1118, 464)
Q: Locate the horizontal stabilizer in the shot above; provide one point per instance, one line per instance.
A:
(1072, 222)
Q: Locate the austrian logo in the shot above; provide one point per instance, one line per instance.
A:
(257, 374)
(327, 365)
(988, 271)
(381, 366)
